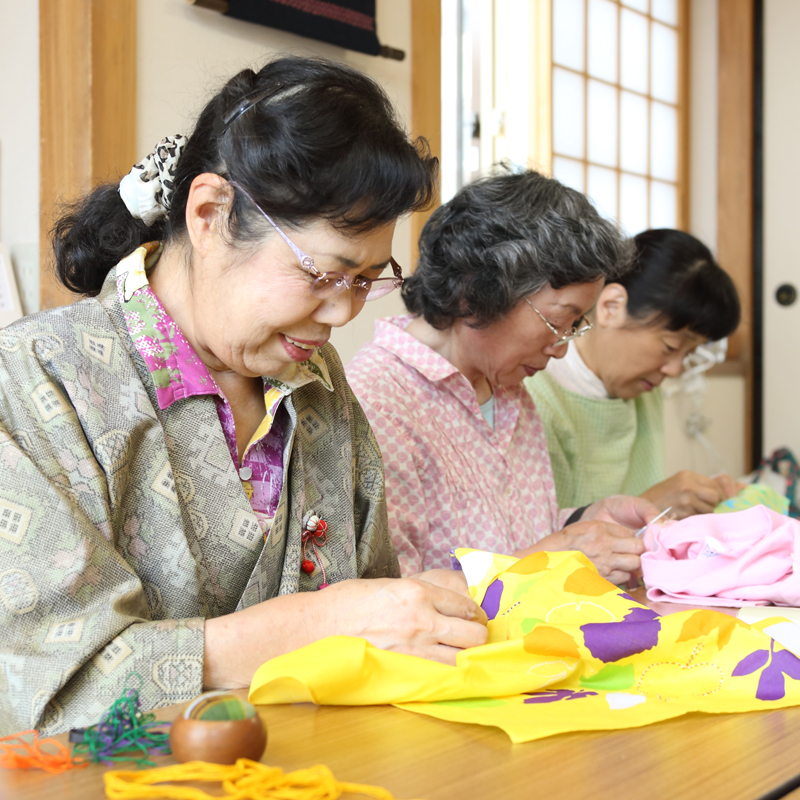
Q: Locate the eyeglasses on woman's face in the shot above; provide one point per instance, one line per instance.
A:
(583, 327)
(329, 284)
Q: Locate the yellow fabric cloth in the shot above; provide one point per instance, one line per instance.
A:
(567, 651)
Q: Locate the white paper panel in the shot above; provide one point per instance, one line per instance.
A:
(450, 122)
(602, 190)
(664, 63)
(665, 10)
(568, 113)
(569, 172)
(602, 122)
(633, 203)
(568, 33)
(603, 39)
(633, 132)
(634, 51)
(663, 142)
(639, 5)
(663, 205)
(512, 80)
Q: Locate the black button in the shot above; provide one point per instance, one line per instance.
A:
(786, 294)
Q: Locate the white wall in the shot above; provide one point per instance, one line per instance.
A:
(184, 54)
(723, 403)
(781, 243)
(19, 144)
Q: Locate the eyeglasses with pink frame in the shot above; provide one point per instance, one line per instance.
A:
(329, 284)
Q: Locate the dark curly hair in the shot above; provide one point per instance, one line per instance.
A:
(323, 141)
(505, 237)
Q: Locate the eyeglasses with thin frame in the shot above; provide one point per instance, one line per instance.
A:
(329, 284)
(572, 333)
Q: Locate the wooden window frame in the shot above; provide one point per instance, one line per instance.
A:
(681, 182)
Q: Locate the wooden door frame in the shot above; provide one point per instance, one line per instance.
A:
(738, 219)
(87, 98)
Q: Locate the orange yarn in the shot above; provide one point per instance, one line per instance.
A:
(16, 753)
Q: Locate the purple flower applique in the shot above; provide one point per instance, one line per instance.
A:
(771, 684)
(491, 600)
(554, 695)
(611, 641)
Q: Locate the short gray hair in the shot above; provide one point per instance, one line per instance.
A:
(503, 238)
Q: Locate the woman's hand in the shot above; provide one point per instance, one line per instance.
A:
(613, 549)
(406, 615)
(691, 493)
(622, 509)
(730, 487)
(452, 579)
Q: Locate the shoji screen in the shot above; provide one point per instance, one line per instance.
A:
(618, 106)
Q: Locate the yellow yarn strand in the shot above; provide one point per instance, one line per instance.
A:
(245, 780)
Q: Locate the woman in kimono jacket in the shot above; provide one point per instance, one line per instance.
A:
(170, 443)
(602, 405)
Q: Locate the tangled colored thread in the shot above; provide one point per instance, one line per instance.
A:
(123, 730)
(243, 780)
(17, 753)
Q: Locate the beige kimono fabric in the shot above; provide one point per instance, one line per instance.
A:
(123, 527)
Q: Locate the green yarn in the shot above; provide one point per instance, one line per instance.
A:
(123, 731)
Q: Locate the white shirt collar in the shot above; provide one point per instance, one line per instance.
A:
(572, 373)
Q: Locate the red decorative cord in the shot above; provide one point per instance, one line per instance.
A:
(316, 533)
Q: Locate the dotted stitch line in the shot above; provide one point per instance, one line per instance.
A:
(687, 665)
(509, 609)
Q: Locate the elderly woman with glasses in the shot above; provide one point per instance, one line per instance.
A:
(183, 463)
(507, 271)
(601, 405)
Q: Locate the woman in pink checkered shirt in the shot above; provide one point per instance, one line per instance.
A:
(508, 269)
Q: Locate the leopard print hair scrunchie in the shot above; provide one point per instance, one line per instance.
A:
(147, 188)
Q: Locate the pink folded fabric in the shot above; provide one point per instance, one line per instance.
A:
(745, 558)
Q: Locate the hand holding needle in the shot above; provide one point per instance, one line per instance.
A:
(656, 519)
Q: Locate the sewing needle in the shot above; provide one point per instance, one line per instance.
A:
(655, 519)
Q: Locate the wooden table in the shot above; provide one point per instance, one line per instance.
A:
(747, 756)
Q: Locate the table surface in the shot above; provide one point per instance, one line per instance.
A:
(748, 756)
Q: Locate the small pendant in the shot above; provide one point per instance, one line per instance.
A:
(315, 533)
(307, 566)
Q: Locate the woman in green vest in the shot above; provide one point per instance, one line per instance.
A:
(601, 403)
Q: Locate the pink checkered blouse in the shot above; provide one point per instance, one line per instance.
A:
(451, 480)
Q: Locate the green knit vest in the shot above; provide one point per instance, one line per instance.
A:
(600, 447)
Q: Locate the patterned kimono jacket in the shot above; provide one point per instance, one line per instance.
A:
(123, 526)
